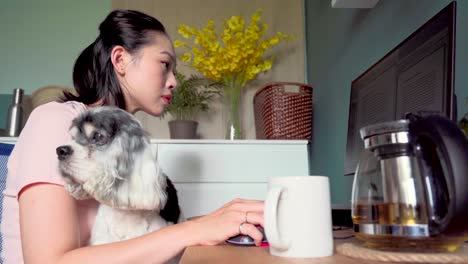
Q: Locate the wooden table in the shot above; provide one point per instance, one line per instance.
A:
(234, 254)
(227, 254)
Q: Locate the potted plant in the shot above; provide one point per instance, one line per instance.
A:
(191, 97)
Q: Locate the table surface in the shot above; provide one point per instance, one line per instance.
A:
(234, 254)
(227, 254)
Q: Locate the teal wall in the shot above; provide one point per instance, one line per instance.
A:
(342, 44)
(5, 100)
(40, 41)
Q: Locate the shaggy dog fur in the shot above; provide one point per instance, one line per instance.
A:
(111, 160)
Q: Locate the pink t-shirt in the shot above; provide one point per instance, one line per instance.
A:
(34, 160)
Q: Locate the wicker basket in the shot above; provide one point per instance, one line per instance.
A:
(283, 114)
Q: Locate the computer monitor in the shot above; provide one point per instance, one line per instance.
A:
(417, 75)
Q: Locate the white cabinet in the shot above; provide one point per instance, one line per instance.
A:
(209, 173)
(9, 140)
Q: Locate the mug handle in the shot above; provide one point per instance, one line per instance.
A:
(271, 216)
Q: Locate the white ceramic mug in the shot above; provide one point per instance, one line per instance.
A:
(298, 217)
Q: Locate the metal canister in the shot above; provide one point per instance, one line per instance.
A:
(15, 114)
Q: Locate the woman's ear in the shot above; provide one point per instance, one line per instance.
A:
(120, 58)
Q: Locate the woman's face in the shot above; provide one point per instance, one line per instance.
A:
(148, 78)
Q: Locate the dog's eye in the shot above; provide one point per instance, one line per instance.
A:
(98, 139)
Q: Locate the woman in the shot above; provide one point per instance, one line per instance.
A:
(130, 65)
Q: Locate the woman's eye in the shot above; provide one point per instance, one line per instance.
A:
(165, 64)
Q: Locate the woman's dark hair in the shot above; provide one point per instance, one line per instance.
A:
(94, 77)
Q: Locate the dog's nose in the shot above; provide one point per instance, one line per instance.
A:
(63, 152)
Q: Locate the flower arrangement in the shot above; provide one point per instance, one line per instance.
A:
(232, 57)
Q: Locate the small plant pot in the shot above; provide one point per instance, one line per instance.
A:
(183, 129)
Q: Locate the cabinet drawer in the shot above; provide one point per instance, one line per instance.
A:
(241, 163)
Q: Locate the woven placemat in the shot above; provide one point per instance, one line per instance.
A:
(358, 250)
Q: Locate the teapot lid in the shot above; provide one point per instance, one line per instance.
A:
(384, 128)
(384, 134)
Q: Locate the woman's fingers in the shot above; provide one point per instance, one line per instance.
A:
(252, 231)
(247, 207)
(254, 218)
(247, 200)
(242, 201)
(237, 216)
(242, 206)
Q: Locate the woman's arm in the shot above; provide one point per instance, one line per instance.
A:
(50, 231)
(50, 234)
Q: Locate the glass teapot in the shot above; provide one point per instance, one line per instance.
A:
(410, 190)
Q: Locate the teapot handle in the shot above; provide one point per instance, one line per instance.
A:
(443, 149)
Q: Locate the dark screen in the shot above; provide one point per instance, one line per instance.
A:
(417, 75)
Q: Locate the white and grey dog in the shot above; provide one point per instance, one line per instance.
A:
(110, 159)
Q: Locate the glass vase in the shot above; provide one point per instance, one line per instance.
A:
(232, 99)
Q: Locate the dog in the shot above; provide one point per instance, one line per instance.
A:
(110, 159)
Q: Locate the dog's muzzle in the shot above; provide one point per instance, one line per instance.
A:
(63, 152)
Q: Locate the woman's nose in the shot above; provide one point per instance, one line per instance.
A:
(173, 82)
(63, 152)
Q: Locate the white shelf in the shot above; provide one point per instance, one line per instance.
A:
(222, 141)
(8, 139)
(205, 141)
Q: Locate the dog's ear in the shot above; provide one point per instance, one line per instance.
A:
(76, 190)
(143, 188)
(171, 211)
(103, 188)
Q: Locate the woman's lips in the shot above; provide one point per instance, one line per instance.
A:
(167, 99)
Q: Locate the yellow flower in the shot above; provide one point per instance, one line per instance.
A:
(185, 31)
(186, 57)
(179, 44)
(236, 54)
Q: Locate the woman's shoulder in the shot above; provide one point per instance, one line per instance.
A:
(53, 110)
(54, 116)
(70, 106)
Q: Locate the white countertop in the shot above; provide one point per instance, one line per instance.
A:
(224, 141)
(205, 141)
(8, 139)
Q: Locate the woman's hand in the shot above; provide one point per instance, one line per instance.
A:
(218, 226)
